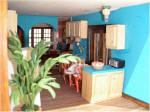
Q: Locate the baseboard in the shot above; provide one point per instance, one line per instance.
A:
(139, 102)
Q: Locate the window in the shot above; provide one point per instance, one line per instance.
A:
(37, 34)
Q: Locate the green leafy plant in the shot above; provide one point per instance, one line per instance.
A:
(25, 84)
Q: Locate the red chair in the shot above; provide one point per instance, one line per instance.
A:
(66, 72)
(78, 77)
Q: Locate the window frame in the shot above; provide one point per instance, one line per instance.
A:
(42, 34)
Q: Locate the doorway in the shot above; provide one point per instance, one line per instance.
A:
(20, 33)
(96, 45)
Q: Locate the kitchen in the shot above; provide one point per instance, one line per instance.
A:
(123, 54)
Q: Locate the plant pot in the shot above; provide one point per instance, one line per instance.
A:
(23, 108)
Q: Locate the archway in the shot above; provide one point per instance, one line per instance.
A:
(20, 33)
(39, 32)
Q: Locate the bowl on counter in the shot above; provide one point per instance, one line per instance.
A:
(97, 65)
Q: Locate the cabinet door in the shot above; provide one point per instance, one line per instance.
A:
(77, 28)
(83, 29)
(115, 36)
(68, 29)
(72, 29)
(116, 84)
(111, 36)
(100, 87)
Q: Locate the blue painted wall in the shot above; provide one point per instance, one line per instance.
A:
(26, 22)
(76, 50)
(137, 52)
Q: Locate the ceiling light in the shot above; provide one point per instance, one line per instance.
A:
(106, 12)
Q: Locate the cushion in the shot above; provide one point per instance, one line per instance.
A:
(68, 72)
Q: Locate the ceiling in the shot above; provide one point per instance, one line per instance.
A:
(67, 7)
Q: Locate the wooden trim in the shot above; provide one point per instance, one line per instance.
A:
(97, 27)
(93, 29)
(139, 102)
(104, 47)
(42, 33)
(88, 47)
(95, 35)
(4, 88)
(32, 38)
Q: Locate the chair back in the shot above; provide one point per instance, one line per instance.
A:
(78, 72)
(65, 66)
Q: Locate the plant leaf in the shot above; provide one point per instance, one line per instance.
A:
(51, 91)
(15, 97)
(63, 60)
(54, 84)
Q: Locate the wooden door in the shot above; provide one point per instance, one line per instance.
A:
(4, 93)
(96, 45)
(116, 84)
(100, 87)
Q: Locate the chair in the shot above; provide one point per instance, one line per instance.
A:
(78, 77)
(66, 72)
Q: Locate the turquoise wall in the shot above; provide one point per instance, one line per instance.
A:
(27, 21)
(76, 50)
(137, 52)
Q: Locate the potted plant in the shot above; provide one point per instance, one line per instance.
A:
(25, 84)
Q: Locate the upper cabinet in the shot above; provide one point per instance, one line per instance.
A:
(115, 36)
(12, 21)
(76, 29)
(72, 29)
(68, 29)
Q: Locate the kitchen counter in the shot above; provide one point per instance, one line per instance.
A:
(101, 85)
(105, 69)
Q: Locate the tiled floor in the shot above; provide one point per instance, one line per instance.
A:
(67, 100)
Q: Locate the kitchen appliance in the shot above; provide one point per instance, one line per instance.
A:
(117, 63)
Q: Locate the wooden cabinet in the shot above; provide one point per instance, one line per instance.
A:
(12, 21)
(116, 84)
(76, 29)
(103, 86)
(115, 36)
(81, 29)
(100, 88)
(72, 29)
(68, 29)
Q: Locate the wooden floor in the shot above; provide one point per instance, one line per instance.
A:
(67, 100)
